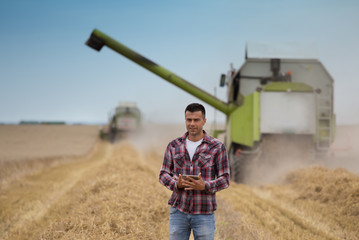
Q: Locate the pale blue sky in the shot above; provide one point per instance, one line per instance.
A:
(47, 73)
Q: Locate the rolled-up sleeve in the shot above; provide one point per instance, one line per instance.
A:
(165, 176)
(223, 178)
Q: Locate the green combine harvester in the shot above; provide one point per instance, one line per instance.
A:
(276, 106)
(125, 120)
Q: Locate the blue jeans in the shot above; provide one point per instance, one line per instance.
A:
(181, 224)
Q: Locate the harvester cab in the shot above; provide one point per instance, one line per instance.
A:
(271, 102)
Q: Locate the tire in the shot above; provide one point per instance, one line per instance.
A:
(238, 167)
(113, 135)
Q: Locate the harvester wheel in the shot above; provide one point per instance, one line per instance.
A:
(238, 165)
(113, 134)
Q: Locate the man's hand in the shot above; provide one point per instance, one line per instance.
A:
(191, 183)
(180, 182)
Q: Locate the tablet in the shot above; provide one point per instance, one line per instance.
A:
(187, 177)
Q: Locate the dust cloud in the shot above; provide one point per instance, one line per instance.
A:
(155, 137)
(278, 158)
(345, 151)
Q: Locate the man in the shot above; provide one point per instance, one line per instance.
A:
(193, 199)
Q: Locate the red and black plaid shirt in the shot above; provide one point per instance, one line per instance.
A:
(210, 159)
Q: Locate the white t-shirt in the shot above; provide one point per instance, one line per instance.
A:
(192, 146)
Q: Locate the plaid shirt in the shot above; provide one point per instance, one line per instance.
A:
(210, 159)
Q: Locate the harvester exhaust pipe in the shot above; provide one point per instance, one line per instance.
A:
(98, 39)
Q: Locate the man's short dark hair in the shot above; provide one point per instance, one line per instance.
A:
(195, 107)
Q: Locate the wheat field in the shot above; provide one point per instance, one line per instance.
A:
(71, 185)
